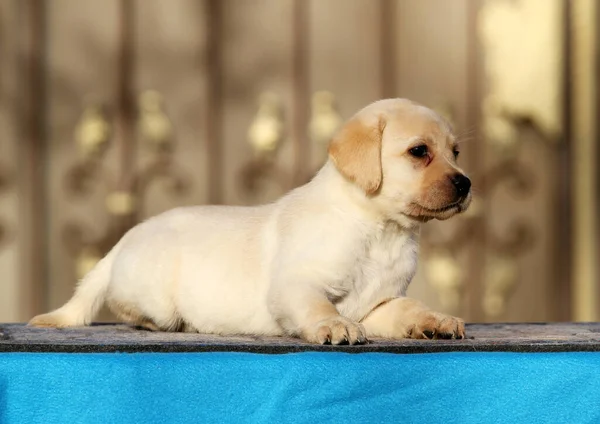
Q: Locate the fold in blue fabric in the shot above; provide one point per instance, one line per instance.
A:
(300, 388)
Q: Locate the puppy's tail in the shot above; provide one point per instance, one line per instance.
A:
(87, 300)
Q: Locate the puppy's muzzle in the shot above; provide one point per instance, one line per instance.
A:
(461, 183)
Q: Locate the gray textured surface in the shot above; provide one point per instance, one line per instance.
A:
(122, 338)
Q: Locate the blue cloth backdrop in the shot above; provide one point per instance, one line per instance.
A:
(300, 388)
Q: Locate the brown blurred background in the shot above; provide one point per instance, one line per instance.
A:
(115, 110)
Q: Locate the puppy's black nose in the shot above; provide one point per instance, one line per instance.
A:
(462, 184)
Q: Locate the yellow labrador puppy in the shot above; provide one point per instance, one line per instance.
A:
(329, 262)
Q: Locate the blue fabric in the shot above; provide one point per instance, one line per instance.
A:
(300, 388)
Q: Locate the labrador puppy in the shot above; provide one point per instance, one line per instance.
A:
(329, 262)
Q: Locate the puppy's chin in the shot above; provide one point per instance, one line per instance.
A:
(424, 214)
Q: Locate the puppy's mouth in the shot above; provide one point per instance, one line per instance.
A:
(440, 210)
(424, 213)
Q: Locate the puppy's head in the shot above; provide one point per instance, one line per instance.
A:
(403, 156)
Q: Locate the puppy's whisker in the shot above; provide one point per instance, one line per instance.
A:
(462, 140)
(466, 131)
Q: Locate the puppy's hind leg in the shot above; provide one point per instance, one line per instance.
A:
(132, 315)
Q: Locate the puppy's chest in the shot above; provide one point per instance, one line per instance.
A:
(383, 268)
(389, 263)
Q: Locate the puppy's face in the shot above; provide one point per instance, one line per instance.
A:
(404, 156)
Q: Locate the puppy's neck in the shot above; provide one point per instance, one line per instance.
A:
(335, 189)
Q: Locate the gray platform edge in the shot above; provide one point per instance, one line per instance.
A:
(113, 338)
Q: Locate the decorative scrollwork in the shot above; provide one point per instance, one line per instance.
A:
(519, 235)
(265, 135)
(86, 246)
(154, 125)
(500, 276)
(500, 272)
(521, 180)
(325, 118)
(123, 205)
(161, 168)
(266, 131)
(93, 131)
(460, 237)
(92, 135)
(445, 274)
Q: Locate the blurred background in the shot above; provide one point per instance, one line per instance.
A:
(115, 110)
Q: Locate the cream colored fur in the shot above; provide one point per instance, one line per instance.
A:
(328, 262)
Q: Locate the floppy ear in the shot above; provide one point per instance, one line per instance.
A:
(356, 153)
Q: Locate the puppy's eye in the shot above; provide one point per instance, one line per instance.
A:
(456, 153)
(419, 151)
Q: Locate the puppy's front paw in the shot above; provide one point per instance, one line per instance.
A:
(435, 325)
(338, 330)
(404, 317)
